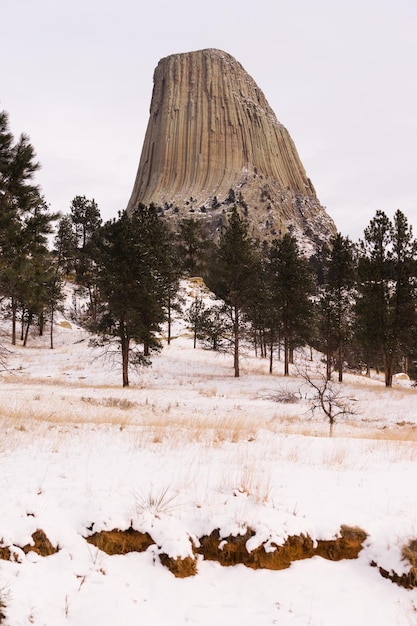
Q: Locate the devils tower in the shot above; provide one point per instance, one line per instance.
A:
(213, 142)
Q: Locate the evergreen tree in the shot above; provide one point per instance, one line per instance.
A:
(233, 267)
(197, 318)
(130, 253)
(34, 290)
(192, 246)
(85, 216)
(386, 304)
(65, 245)
(86, 220)
(291, 287)
(336, 302)
(262, 312)
(25, 220)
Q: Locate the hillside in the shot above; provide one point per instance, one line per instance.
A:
(200, 469)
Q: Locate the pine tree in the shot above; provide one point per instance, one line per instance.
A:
(291, 286)
(262, 312)
(85, 216)
(192, 246)
(386, 304)
(65, 245)
(197, 318)
(24, 220)
(335, 303)
(39, 269)
(231, 275)
(130, 253)
(86, 220)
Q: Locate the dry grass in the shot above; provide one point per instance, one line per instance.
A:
(209, 392)
(156, 502)
(254, 483)
(64, 415)
(336, 456)
(409, 552)
(119, 403)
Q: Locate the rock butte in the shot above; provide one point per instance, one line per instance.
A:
(213, 142)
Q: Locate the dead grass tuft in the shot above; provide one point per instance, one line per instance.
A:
(254, 485)
(409, 552)
(114, 403)
(208, 392)
(156, 503)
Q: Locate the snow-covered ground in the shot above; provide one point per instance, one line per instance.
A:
(185, 450)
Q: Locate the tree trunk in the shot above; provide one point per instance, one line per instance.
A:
(25, 340)
(14, 314)
(255, 342)
(340, 362)
(22, 325)
(169, 322)
(388, 369)
(125, 360)
(271, 353)
(236, 341)
(146, 347)
(328, 365)
(286, 356)
(51, 332)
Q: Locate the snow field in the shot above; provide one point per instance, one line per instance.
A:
(185, 450)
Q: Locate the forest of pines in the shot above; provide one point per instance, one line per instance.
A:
(354, 302)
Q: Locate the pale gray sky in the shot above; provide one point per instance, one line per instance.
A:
(339, 74)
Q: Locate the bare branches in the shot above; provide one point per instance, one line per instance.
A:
(327, 396)
(283, 395)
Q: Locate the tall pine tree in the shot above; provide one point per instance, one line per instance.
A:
(232, 270)
(386, 304)
(25, 223)
(291, 287)
(134, 279)
(335, 302)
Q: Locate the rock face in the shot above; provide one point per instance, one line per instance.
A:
(213, 142)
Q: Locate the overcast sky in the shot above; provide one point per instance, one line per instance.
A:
(341, 75)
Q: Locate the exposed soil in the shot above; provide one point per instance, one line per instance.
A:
(227, 551)
(181, 568)
(232, 550)
(121, 541)
(41, 545)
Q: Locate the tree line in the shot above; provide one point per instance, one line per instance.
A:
(355, 303)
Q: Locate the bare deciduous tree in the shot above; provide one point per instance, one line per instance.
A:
(327, 396)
